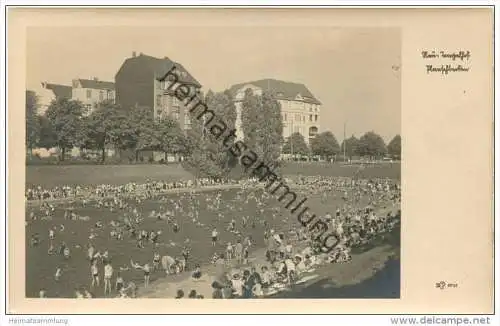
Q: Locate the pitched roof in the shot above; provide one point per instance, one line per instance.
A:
(283, 89)
(96, 84)
(60, 91)
(160, 67)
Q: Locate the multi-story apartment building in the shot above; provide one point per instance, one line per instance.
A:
(49, 92)
(140, 82)
(300, 110)
(91, 92)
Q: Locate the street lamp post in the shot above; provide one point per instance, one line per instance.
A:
(345, 144)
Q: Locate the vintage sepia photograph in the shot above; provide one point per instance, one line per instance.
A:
(213, 163)
(167, 154)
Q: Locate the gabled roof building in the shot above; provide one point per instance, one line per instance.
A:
(140, 82)
(300, 109)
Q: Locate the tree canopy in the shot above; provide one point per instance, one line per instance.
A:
(325, 144)
(205, 153)
(65, 117)
(351, 146)
(262, 125)
(394, 147)
(371, 145)
(103, 127)
(32, 123)
(295, 144)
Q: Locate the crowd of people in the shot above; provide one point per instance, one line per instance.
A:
(292, 256)
(38, 193)
(368, 210)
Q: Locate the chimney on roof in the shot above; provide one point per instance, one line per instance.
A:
(134, 54)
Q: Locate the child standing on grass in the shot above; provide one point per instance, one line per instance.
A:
(214, 237)
(156, 261)
(238, 249)
(94, 271)
(108, 273)
(229, 251)
(146, 269)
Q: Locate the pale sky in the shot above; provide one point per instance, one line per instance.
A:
(349, 70)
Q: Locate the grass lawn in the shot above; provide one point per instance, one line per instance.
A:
(383, 170)
(51, 176)
(41, 267)
(54, 175)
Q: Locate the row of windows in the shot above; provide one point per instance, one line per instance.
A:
(164, 100)
(301, 118)
(288, 105)
(313, 108)
(103, 95)
(174, 113)
(167, 84)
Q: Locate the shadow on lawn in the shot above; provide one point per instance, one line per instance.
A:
(383, 284)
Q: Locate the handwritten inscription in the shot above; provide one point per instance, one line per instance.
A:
(453, 61)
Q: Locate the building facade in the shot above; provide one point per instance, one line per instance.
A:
(300, 110)
(49, 92)
(91, 92)
(140, 82)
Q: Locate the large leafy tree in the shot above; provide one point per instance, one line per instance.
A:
(139, 134)
(32, 123)
(394, 147)
(350, 146)
(251, 121)
(195, 153)
(325, 144)
(48, 137)
(170, 136)
(207, 154)
(262, 126)
(223, 106)
(272, 129)
(103, 127)
(371, 145)
(127, 138)
(65, 117)
(295, 144)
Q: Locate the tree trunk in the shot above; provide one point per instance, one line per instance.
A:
(103, 154)
(63, 153)
(136, 156)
